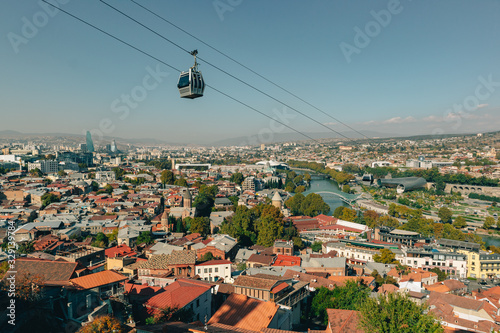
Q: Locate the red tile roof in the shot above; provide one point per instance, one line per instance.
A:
(284, 260)
(245, 312)
(119, 251)
(177, 294)
(98, 279)
(279, 287)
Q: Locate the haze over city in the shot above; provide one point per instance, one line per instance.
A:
(384, 67)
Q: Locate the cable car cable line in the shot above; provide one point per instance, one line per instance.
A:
(227, 73)
(175, 69)
(249, 69)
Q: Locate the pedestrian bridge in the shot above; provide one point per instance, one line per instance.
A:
(345, 197)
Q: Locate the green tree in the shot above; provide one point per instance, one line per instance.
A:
(313, 205)
(316, 246)
(348, 214)
(371, 218)
(237, 178)
(460, 222)
(295, 204)
(307, 177)
(300, 189)
(181, 182)
(25, 248)
(49, 198)
(346, 188)
(200, 225)
(100, 240)
(338, 212)
(203, 203)
(62, 173)
(445, 214)
(108, 189)
(395, 313)
(207, 256)
(269, 229)
(241, 226)
(36, 172)
(386, 256)
(167, 177)
(441, 275)
(347, 297)
(488, 222)
(119, 172)
(94, 186)
(145, 237)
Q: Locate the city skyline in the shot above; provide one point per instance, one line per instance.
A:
(385, 66)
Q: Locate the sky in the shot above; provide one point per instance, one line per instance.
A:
(403, 67)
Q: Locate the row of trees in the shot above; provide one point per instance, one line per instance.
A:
(339, 176)
(310, 205)
(369, 218)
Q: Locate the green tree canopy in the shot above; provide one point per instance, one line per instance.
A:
(310, 205)
(145, 237)
(167, 177)
(316, 246)
(489, 222)
(386, 256)
(395, 313)
(200, 225)
(181, 182)
(347, 297)
(269, 230)
(237, 178)
(459, 222)
(445, 214)
(49, 198)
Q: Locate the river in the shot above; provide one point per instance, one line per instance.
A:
(320, 185)
(490, 240)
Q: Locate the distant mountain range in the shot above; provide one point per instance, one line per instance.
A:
(250, 140)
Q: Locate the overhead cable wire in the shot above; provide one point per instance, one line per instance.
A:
(225, 72)
(249, 69)
(172, 67)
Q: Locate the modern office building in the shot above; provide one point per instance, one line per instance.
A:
(90, 143)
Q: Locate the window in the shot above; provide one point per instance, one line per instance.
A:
(205, 270)
(197, 302)
(199, 270)
(210, 270)
(216, 269)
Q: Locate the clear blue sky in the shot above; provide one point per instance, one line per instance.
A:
(429, 57)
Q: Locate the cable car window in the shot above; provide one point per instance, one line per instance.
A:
(183, 81)
(195, 81)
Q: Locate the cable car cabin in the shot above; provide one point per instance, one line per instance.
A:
(191, 84)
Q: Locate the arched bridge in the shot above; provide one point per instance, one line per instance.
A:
(347, 198)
